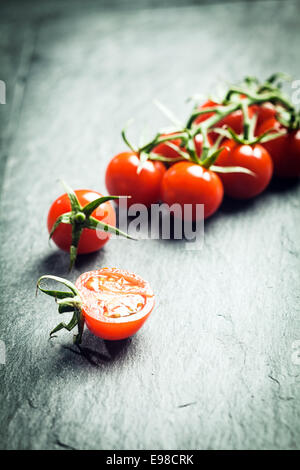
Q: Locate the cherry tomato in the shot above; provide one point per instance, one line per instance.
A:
(115, 303)
(264, 112)
(253, 157)
(165, 150)
(89, 240)
(235, 119)
(284, 151)
(189, 183)
(122, 178)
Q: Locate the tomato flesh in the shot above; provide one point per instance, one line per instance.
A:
(122, 179)
(116, 303)
(89, 240)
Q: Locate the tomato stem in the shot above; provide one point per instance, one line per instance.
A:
(238, 97)
(67, 302)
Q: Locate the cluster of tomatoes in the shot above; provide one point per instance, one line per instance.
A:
(230, 147)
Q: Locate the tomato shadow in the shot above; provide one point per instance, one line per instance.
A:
(95, 351)
(231, 206)
(57, 262)
(281, 185)
(276, 186)
(87, 262)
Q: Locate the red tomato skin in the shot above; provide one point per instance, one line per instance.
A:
(89, 241)
(189, 183)
(256, 159)
(122, 179)
(264, 112)
(113, 329)
(284, 151)
(165, 150)
(235, 119)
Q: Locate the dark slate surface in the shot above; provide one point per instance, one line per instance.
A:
(221, 338)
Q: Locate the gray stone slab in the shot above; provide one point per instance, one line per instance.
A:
(213, 367)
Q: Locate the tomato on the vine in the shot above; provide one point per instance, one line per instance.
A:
(124, 178)
(190, 183)
(113, 303)
(284, 150)
(252, 157)
(198, 141)
(235, 119)
(167, 150)
(90, 240)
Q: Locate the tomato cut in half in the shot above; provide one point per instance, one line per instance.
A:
(115, 303)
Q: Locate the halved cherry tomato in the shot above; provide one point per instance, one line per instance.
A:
(253, 157)
(123, 179)
(284, 151)
(89, 240)
(115, 303)
(166, 150)
(189, 183)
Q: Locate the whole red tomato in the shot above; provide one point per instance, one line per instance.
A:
(253, 157)
(165, 150)
(190, 183)
(123, 179)
(284, 151)
(89, 239)
(115, 303)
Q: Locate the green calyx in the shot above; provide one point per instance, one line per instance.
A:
(81, 217)
(67, 302)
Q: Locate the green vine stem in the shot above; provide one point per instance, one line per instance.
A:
(249, 93)
(67, 302)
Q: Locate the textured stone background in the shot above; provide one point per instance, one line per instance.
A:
(213, 366)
